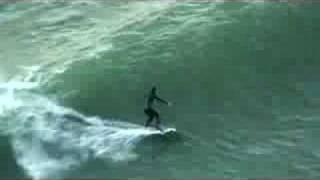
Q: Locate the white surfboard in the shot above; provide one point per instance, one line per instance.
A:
(168, 130)
(163, 131)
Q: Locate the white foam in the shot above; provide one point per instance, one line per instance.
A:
(32, 157)
(50, 139)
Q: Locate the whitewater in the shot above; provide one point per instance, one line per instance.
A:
(243, 78)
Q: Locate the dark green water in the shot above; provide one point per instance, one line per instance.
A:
(243, 77)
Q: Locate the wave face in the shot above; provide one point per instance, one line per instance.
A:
(243, 78)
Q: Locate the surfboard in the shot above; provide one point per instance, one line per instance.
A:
(167, 134)
(164, 130)
(168, 130)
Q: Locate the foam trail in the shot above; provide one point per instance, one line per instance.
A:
(49, 139)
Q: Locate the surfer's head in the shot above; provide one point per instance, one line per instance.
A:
(154, 89)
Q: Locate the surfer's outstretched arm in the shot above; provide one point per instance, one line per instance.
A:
(162, 100)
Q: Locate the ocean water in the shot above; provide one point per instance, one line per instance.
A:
(243, 78)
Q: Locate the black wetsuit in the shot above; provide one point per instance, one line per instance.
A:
(150, 112)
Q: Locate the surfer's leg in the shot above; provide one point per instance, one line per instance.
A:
(148, 121)
(156, 114)
(150, 117)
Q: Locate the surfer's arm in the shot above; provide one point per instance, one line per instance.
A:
(161, 100)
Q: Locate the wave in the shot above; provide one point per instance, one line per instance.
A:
(49, 139)
(245, 87)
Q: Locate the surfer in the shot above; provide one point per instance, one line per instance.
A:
(149, 111)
